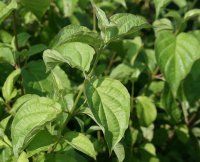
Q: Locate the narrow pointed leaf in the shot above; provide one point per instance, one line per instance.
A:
(80, 142)
(120, 152)
(175, 56)
(109, 102)
(9, 91)
(160, 5)
(30, 118)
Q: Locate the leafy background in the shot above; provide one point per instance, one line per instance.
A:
(157, 60)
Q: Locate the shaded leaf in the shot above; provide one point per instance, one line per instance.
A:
(41, 142)
(37, 7)
(146, 111)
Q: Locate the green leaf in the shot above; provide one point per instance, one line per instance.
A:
(76, 33)
(35, 49)
(108, 29)
(120, 152)
(109, 102)
(175, 56)
(128, 24)
(22, 100)
(146, 111)
(180, 3)
(160, 5)
(80, 142)
(162, 25)
(6, 55)
(122, 2)
(55, 84)
(41, 142)
(133, 48)
(35, 78)
(182, 133)
(30, 118)
(23, 157)
(9, 91)
(77, 55)
(60, 80)
(125, 72)
(7, 9)
(191, 84)
(37, 7)
(170, 105)
(191, 13)
(4, 123)
(5, 36)
(68, 7)
(22, 39)
(118, 25)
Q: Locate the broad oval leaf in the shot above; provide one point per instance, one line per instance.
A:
(30, 118)
(76, 33)
(109, 102)
(37, 7)
(76, 54)
(9, 91)
(80, 142)
(175, 56)
(146, 111)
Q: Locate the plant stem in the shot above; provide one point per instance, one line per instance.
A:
(96, 61)
(94, 20)
(71, 113)
(15, 30)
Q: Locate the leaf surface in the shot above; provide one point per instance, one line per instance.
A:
(146, 111)
(80, 142)
(175, 56)
(30, 118)
(77, 55)
(109, 102)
